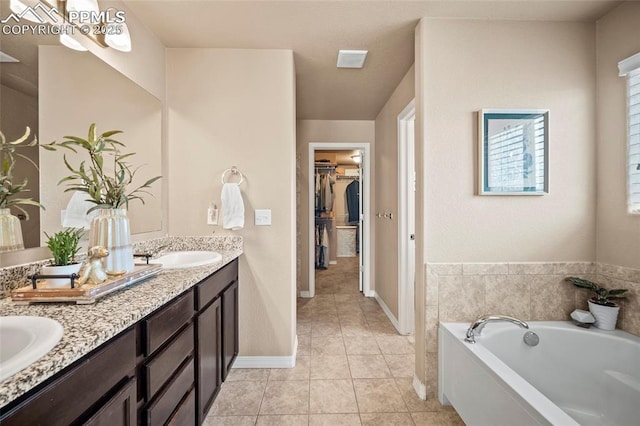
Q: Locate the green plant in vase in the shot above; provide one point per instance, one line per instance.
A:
(107, 178)
(11, 191)
(64, 246)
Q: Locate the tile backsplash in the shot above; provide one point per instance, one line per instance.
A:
(460, 292)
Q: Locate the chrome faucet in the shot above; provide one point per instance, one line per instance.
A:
(476, 328)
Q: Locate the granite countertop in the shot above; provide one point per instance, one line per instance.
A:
(88, 326)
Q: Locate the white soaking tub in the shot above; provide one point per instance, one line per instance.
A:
(574, 376)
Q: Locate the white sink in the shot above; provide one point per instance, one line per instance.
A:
(23, 340)
(187, 259)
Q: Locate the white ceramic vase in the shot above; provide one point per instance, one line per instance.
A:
(606, 316)
(74, 268)
(110, 229)
(10, 232)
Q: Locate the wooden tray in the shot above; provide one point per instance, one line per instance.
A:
(86, 294)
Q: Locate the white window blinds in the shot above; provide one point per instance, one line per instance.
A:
(630, 68)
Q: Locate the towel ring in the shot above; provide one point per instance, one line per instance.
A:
(234, 171)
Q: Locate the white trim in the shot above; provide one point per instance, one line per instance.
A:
(629, 64)
(420, 388)
(370, 293)
(387, 311)
(268, 361)
(366, 213)
(305, 294)
(406, 285)
(333, 262)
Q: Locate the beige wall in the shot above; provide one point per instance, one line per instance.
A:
(67, 82)
(618, 233)
(237, 107)
(308, 131)
(17, 111)
(462, 227)
(386, 187)
(548, 65)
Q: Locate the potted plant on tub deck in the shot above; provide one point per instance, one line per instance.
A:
(108, 181)
(64, 246)
(601, 304)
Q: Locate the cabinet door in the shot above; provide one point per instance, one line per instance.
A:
(209, 348)
(120, 410)
(229, 328)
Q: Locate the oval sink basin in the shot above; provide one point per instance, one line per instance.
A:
(187, 259)
(25, 340)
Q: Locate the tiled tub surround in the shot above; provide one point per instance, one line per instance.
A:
(88, 326)
(460, 292)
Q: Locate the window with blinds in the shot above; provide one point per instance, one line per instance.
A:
(633, 160)
(630, 68)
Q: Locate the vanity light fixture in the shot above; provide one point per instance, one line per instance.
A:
(122, 41)
(351, 58)
(72, 43)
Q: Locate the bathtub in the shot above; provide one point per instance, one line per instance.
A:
(574, 376)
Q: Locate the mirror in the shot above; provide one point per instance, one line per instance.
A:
(57, 91)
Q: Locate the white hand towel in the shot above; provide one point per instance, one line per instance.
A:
(232, 207)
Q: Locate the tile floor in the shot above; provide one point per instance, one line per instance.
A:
(352, 368)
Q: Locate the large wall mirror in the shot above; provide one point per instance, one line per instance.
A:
(57, 91)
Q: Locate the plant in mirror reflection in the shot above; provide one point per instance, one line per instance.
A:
(9, 189)
(108, 176)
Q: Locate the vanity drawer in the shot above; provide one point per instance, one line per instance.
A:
(211, 287)
(168, 401)
(185, 414)
(165, 363)
(160, 326)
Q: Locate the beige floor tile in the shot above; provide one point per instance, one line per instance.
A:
(347, 298)
(353, 319)
(244, 374)
(361, 345)
(285, 398)
(334, 420)
(384, 328)
(437, 418)
(326, 328)
(327, 346)
(286, 420)
(303, 326)
(395, 345)
(349, 330)
(304, 344)
(332, 396)
(386, 419)
(238, 398)
(401, 365)
(329, 367)
(415, 404)
(368, 367)
(299, 372)
(376, 316)
(378, 396)
(229, 421)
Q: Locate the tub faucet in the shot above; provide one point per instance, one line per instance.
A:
(476, 328)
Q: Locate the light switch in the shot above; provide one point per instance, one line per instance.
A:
(263, 217)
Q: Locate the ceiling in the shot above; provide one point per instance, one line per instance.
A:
(315, 31)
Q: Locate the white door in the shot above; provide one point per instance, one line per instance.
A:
(361, 244)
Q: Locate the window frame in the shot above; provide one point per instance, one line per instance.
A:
(630, 69)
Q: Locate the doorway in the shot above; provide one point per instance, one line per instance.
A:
(339, 229)
(406, 213)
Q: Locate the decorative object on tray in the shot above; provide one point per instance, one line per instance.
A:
(85, 294)
(106, 181)
(64, 246)
(93, 270)
(601, 305)
(10, 228)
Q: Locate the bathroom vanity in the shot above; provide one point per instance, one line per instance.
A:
(155, 366)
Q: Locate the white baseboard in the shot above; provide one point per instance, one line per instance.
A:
(268, 361)
(333, 262)
(306, 294)
(370, 293)
(387, 311)
(420, 388)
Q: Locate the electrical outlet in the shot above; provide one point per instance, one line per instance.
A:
(263, 217)
(212, 215)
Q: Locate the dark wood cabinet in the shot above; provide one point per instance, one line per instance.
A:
(83, 391)
(229, 327)
(166, 369)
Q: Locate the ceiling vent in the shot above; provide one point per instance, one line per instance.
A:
(351, 58)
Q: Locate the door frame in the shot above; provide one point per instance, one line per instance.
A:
(365, 251)
(406, 265)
